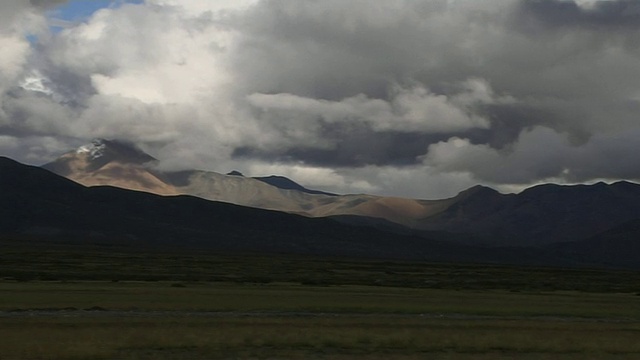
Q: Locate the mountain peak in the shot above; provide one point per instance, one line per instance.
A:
(95, 149)
(288, 184)
(97, 154)
(114, 150)
(476, 190)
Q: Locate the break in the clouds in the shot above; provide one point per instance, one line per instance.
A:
(411, 98)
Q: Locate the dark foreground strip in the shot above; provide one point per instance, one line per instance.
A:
(96, 312)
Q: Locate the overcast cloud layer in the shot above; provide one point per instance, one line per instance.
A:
(411, 98)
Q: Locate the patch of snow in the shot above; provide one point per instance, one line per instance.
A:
(95, 149)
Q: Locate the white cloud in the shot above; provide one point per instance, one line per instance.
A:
(12, 57)
(16, 21)
(153, 56)
(413, 109)
(409, 98)
(313, 177)
(422, 182)
(198, 7)
(32, 148)
(418, 109)
(540, 155)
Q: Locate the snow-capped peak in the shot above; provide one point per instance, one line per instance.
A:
(95, 149)
(114, 150)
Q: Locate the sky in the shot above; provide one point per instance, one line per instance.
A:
(408, 98)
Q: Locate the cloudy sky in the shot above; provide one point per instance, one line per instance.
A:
(408, 98)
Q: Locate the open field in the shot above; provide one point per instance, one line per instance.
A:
(163, 320)
(26, 261)
(103, 303)
(314, 337)
(295, 298)
(158, 320)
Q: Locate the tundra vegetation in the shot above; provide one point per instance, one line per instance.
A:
(101, 302)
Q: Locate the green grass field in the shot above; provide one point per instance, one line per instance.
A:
(113, 304)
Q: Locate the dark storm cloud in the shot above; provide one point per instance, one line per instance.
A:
(71, 88)
(507, 122)
(353, 148)
(602, 15)
(352, 47)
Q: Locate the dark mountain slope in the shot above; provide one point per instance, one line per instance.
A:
(284, 183)
(540, 215)
(41, 204)
(617, 247)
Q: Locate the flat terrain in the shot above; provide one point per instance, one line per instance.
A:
(105, 303)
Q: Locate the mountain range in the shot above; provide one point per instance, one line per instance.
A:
(115, 163)
(41, 207)
(540, 215)
(111, 192)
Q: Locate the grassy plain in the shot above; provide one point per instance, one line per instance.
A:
(104, 303)
(313, 337)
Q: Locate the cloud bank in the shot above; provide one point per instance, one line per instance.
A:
(409, 98)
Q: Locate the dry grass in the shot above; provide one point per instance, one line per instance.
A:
(293, 297)
(342, 322)
(364, 309)
(317, 337)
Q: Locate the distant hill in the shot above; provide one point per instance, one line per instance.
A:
(43, 206)
(617, 247)
(538, 216)
(46, 206)
(111, 162)
(282, 182)
(116, 163)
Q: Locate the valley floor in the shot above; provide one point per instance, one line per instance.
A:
(71, 302)
(167, 320)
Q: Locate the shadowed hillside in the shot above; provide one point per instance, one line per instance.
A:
(538, 216)
(46, 206)
(41, 206)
